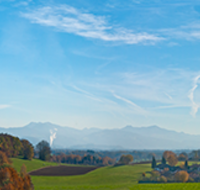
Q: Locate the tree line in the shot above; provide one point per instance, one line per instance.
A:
(87, 159)
(13, 147)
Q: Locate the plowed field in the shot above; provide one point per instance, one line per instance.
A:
(62, 171)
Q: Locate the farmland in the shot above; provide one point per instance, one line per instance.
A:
(62, 171)
(121, 178)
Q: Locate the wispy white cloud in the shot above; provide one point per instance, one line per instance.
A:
(168, 96)
(22, 3)
(155, 90)
(170, 107)
(186, 32)
(68, 19)
(4, 106)
(135, 106)
(86, 93)
(195, 106)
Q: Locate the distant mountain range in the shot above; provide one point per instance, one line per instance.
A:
(129, 137)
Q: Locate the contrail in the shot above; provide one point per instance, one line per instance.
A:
(138, 108)
(53, 135)
(195, 106)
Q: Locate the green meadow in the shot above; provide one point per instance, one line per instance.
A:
(30, 165)
(105, 178)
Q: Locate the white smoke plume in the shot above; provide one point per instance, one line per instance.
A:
(195, 106)
(53, 135)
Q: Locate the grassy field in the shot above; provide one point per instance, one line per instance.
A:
(35, 164)
(31, 165)
(121, 177)
(106, 178)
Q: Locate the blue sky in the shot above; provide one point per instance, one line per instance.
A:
(104, 63)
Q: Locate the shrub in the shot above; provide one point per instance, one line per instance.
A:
(143, 174)
(163, 179)
(181, 176)
(182, 165)
(155, 173)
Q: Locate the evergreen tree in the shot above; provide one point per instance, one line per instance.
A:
(186, 164)
(153, 164)
(163, 160)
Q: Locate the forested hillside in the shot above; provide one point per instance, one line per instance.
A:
(13, 147)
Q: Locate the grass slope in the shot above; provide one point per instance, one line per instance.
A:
(118, 178)
(106, 178)
(122, 177)
(30, 165)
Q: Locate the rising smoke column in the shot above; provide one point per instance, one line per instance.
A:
(53, 135)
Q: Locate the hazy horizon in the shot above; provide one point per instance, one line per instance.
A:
(105, 64)
(87, 128)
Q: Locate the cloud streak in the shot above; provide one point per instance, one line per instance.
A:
(135, 106)
(188, 32)
(87, 94)
(70, 20)
(4, 106)
(195, 106)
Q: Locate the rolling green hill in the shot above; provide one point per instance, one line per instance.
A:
(118, 178)
(34, 164)
(102, 178)
(106, 178)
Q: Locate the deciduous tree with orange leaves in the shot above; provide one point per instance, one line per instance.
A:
(182, 176)
(126, 159)
(170, 157)
(10, 179)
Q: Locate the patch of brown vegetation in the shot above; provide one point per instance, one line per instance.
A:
(62, 171)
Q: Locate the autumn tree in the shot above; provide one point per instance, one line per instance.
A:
(167, 153)
(126, 159)
(108, 161)
(172, 160)
(182, 176)
(10, 145)
(23, 171)
(182, 157)
(44, 150)
(170, 157)
(28, 150)
(9, 178)
(86, 159)
(3, 158)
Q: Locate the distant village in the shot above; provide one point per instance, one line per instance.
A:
(173, 169)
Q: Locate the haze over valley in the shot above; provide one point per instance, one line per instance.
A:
(152, 137)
